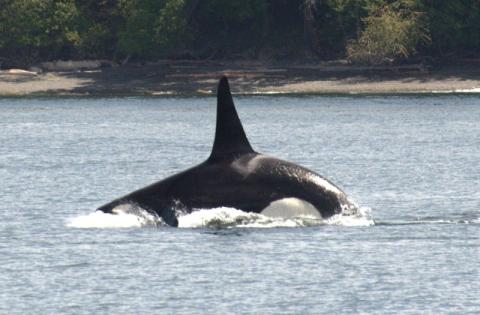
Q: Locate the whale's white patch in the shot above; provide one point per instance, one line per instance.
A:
(254, 163)
(324, 183)
(250, 166)
(291, 208)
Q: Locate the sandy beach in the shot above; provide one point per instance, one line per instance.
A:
(190, 78)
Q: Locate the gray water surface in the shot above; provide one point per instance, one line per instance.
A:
(414, 161)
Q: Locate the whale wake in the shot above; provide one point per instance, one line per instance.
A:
(131, 216)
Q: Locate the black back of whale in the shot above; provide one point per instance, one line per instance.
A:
(234, 176)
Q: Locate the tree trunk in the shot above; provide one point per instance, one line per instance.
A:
(192, 5)
(309, 9)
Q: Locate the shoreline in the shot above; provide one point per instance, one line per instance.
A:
(186, 78)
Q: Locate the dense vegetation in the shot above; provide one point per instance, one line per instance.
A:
(364, 31)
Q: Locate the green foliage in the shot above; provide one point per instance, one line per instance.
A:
(228, 27)
(337, 22)
(171, 24)
(98, 25)
(454, 26)
(152, 27)
(366, 31)
(37, 28)
(392, 32)
(137, 35)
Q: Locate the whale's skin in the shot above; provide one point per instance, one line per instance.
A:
(235, 176)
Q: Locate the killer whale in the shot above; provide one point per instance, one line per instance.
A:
(236, 176)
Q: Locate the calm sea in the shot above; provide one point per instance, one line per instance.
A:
(410, 162)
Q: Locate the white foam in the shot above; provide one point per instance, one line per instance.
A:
(221, 217)
(225, 217)
(361, 218)
(124, 216)
(472, 90)
(132, 216)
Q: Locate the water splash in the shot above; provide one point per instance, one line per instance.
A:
(132, 216)
(225, 217)
(230, 217)
(123, 216)
(358, 217)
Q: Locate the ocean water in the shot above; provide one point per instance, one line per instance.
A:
(410, 162)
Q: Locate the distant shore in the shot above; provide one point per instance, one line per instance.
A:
(200, 78)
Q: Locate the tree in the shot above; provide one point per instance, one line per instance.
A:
(454, 26)
(392, 32)
(152, 28)
(228, 28)
(34, 29)
(98, 25)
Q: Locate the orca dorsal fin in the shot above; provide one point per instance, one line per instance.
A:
(230, 138)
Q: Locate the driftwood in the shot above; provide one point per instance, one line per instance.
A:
(419, 67)
(19, 72)
(75, 65)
